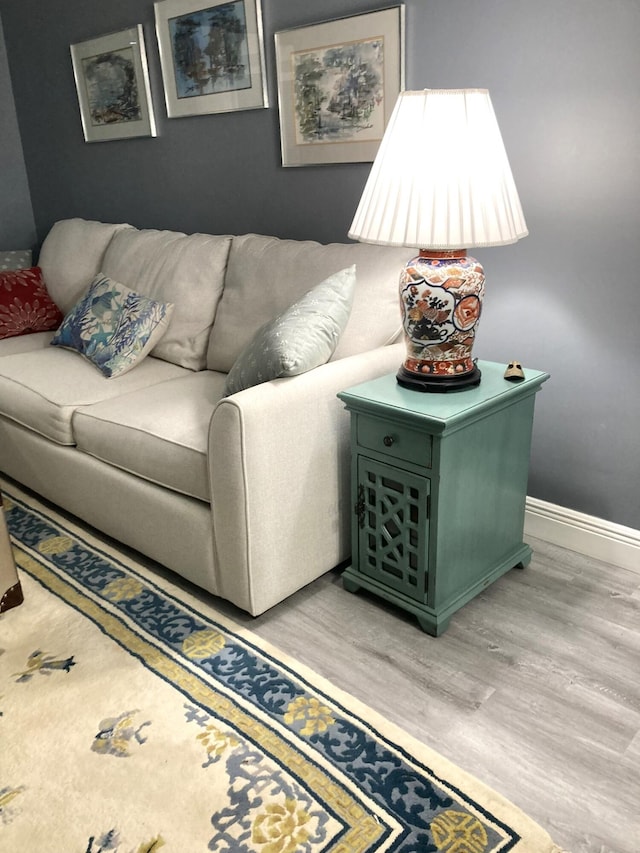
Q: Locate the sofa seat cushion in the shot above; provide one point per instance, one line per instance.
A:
(266, 275)
(186, 270)
(159, 433)
(25, 343)
(41, 389)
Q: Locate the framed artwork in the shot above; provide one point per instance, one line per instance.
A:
(212, 56)
(112, 80)
(338, 82)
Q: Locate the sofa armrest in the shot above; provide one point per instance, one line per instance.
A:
(279, 469)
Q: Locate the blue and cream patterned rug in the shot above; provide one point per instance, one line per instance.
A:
(135, 718)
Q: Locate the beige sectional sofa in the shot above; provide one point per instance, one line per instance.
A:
(245, 495)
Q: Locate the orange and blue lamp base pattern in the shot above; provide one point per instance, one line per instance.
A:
(441, 295)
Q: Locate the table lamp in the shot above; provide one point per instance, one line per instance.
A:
(441, 183)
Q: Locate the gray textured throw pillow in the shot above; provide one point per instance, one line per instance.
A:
(303, 337)
(19, 259)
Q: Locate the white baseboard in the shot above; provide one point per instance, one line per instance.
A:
(585, 534)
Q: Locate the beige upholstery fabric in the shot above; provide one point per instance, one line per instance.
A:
(173, 529)
(280, 493)
(25, 343)
(71, 255)
(266, 275)
(159, 433)
(172, 267)
(41, 389)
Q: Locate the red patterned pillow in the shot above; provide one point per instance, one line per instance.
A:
(25, 305)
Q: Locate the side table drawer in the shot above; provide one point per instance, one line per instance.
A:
(398, 441)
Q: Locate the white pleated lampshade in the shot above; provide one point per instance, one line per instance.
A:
(441, 179)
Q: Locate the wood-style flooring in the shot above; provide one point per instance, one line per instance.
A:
(534, 688)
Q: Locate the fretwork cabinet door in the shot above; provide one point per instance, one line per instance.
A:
(392, 527)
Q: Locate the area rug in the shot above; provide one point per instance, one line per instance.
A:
(133, 717)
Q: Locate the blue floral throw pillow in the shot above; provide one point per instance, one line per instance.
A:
(113, 327)
(303, 337)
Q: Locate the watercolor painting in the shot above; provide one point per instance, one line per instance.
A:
(338, 82)
(112, 88)
(112, 82)
(212, 56)
(210, 51)
(339, 92)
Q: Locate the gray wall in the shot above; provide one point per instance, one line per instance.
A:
(17, 227)
(564, 82)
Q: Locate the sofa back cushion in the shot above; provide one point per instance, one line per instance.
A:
(187, 271)
(265, 275)
(71, 256)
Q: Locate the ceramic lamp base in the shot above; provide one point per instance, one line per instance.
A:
(441, 300)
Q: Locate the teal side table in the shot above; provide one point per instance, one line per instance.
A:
(439, 483)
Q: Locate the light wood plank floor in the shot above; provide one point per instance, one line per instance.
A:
(534, 688)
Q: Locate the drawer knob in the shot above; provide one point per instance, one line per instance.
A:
(388, 440)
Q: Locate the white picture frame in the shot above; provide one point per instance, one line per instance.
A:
(318, 120)
(212, 56)
(112, 82)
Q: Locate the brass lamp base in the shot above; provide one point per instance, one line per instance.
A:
(438, 384)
